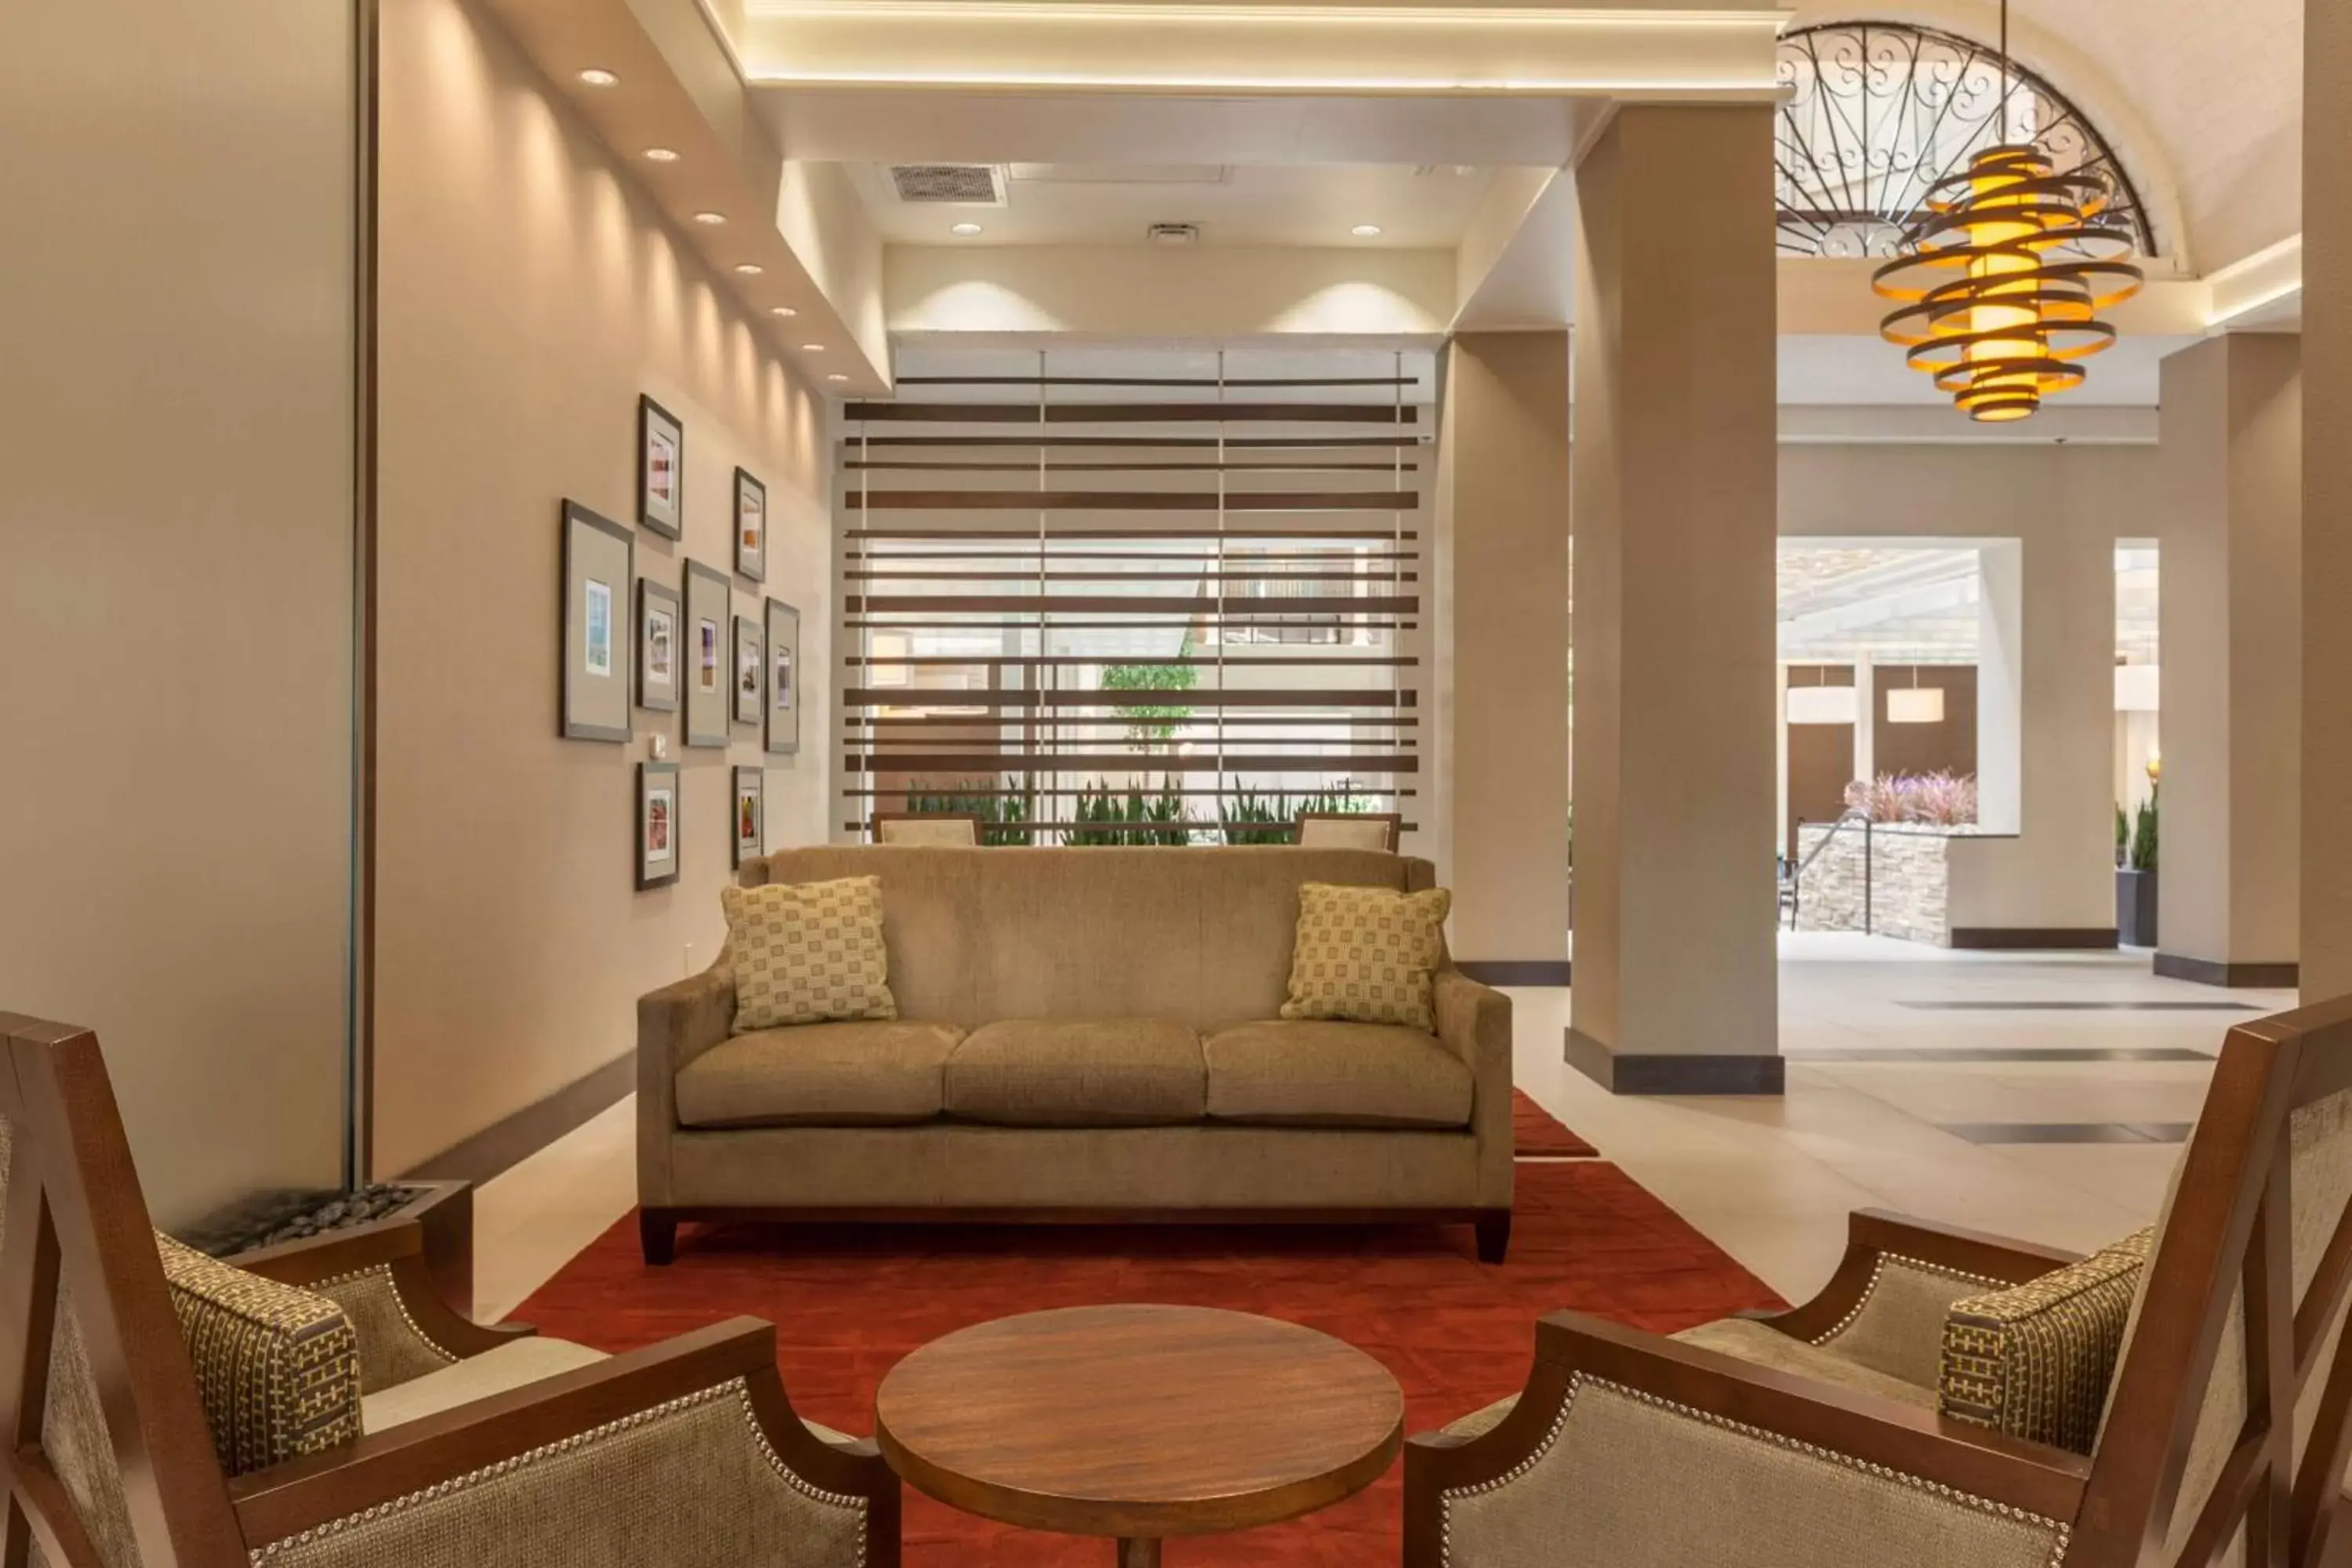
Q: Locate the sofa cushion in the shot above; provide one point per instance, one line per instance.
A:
(278, 1367)
(1078, 1072)
(1313, 1074)
(874, 1073)
(807, 953)
(1367, 955)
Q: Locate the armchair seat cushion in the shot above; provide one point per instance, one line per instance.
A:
(1078, 1072)
(516, 1364)
(1328, 1074)
(872, 1073)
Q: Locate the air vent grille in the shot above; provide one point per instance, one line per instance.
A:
(957, 184)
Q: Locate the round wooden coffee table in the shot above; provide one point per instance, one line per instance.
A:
(1138, 1422)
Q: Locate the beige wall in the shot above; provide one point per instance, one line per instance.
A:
(1504, 533)
(529, 295)
(176, 419)
(2065, 506)
(2230, 631)
(2326, 918)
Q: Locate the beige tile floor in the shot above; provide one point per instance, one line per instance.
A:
(1768, 1180)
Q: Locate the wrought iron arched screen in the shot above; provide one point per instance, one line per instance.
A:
(1878, 111)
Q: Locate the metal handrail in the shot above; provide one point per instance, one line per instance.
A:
(1797, 873)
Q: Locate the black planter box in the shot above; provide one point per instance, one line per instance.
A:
(2135, 908)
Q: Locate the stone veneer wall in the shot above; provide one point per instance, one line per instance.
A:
(1909, 882)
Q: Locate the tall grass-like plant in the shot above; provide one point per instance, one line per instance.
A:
(1255, 819)
(1937, 800)
(2143, 844)
(1004, 816)
(1132, 818)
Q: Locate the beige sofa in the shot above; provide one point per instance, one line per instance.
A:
(1084, 1034)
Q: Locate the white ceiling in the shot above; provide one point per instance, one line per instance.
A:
(1423, 207)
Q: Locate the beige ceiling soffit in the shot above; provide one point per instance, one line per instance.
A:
(1517, 272)
(1205, 293)
(1144, 45)
(1821, 297)
(677, 91)
(2265, 289)
(1864, 424)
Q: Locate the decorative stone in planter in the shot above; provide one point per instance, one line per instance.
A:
(2136, 906)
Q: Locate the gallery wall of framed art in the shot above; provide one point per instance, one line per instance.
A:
(513, 940)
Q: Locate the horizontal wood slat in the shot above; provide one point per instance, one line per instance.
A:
(1133, 413)
(1196, 824)
(1141, 443)
(962, 661)
(871, 721)
(1015, 697)
(1210, 381)
(1122, 763)
(939, 786)
(1269, 466)
(1130, 500)
(1032, 535)
(1015, 573)
(1230, 606)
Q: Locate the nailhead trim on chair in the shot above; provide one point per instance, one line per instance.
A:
(399, 1300)
(1878, 1268)
(1880, 1472)
(736, 1389)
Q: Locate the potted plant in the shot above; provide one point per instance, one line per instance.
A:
(2135, 881)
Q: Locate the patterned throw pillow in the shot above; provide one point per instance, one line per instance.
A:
(278, 1367)
(808, 953)
(1367, 955)
(2034, 1361)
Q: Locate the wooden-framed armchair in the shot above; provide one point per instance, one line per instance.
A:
(324, 1407)
(935, 829)
(1349, 830)
(2180, 1399)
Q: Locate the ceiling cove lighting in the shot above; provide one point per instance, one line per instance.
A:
(1366, 231)
(963, 229)
(2001, 277)
(714, 219)
(811, 348)
(837, 375)
(749, 268)
(597, 76)
(661, 155)
(786, 312)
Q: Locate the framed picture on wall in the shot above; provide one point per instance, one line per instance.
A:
(750, 814)
(659, 646)
(661, 469)
(657, 829)
(705, 656)
(749, 676)
(599, 564)
(784, 705)
(750, 527)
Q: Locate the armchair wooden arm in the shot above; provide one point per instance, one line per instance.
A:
(397, 1246)
(1874, 1235)
(274, 1504)
(2042, 1481)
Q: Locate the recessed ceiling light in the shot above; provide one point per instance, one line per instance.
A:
(597, 76)
(785, 311)
(713, 218)
(662, 155)
(749, 268)
(966, 228)
(838, 376)
(1365, 230)
(811, 348)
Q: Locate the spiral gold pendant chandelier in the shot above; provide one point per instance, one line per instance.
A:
(2002, 277)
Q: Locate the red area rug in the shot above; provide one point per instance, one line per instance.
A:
(1457, 1335)
(1535, 1131)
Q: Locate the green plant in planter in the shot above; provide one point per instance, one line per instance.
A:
(2144, 836)
(1003, 817)
(2123, 835)
(1150, 725)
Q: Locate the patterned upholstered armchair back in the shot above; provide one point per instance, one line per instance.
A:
(2231, 1418)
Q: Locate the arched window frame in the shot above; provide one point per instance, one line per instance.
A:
(1860, 91)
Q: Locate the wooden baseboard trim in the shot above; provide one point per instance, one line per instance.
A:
(722, 1213)
(2219, 972)
(506, 1143)
(1515, 971)
(2018, 939)
(1625, 1072)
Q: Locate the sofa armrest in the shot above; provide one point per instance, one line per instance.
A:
(675, 1025)
(1474, 1021)
(688, 1453)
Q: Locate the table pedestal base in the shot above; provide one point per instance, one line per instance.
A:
(1138, 1553)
